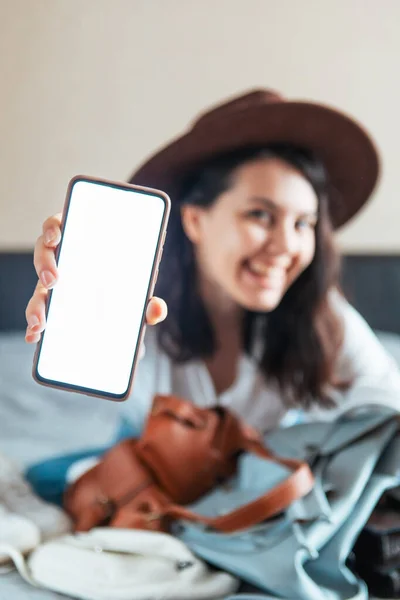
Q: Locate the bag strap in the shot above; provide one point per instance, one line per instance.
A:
(234, 433)
(298, 484)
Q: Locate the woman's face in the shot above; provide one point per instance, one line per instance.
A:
(257, 237)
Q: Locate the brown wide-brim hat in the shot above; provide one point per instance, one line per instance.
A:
(264, 117)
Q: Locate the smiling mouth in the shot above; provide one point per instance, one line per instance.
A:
(265, 276)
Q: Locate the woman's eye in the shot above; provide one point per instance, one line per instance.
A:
(260, 215)
(305, 224)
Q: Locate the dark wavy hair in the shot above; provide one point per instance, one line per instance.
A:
(302, 334)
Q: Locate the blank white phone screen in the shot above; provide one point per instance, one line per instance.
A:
(105, 263)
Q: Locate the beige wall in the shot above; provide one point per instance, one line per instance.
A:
(91, 86)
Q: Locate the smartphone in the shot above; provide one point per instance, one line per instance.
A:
(111, 245)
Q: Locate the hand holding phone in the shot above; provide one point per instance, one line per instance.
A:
(112, 238)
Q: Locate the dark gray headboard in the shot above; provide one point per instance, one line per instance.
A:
(372, 284)
(17, 282)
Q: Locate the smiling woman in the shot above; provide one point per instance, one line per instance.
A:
(248, 224)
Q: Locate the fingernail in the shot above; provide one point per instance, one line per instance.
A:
(47, 278)
(49, 236)
(33, 321)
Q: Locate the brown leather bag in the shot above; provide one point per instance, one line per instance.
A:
(184, 452)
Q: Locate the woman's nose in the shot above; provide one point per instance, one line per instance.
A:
(284, 239)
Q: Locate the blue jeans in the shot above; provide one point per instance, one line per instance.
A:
(48, 478)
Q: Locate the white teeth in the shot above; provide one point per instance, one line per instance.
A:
(274, 275)
(261, 269)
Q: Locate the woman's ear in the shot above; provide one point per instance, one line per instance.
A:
(192, 217)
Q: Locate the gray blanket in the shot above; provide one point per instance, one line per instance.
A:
(13, 587)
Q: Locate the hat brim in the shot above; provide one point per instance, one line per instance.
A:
(347, 151)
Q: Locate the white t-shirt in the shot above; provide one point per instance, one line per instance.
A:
(363, 360)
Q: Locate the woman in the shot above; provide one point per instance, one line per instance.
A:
(256, 320)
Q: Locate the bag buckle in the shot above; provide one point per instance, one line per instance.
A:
(153, 516)
(106, 503)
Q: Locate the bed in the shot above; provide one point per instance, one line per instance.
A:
(37, 422)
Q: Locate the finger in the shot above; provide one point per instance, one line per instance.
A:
(35, 312)
(44, 261)
(156, 311)
(52, 230)
(32, 338)
(44, 257)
